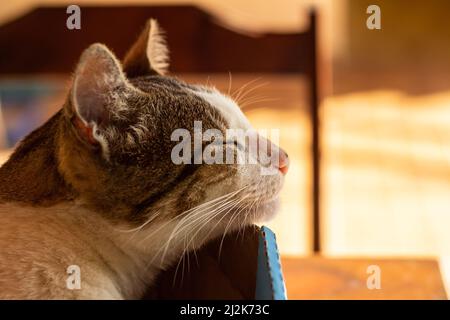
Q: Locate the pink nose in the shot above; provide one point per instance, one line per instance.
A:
(271, 150)
(283, 164)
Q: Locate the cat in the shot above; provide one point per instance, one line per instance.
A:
(95, 189)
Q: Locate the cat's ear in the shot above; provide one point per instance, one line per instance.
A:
(149, 54)
(98, 92)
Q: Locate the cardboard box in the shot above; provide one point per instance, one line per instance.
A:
(248, 267)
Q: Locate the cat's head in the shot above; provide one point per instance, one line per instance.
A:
(129, 135)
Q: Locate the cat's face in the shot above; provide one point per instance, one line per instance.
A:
(119, 144)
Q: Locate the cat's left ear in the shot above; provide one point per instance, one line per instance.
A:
(149, 54)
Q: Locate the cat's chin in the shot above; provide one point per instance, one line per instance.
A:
(266, 211)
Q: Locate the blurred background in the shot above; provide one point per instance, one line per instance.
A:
(382, 98)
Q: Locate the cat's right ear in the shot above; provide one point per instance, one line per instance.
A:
(98, 94)
(149, 54)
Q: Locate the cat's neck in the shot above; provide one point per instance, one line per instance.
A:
(31, 176)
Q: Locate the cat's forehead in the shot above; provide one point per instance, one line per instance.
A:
(222, 103)
(226, 106)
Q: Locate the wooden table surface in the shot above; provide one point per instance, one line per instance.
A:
(329, 278)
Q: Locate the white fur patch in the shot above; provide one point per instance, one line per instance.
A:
(227, 107)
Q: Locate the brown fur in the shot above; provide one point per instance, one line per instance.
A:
(31, 174)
